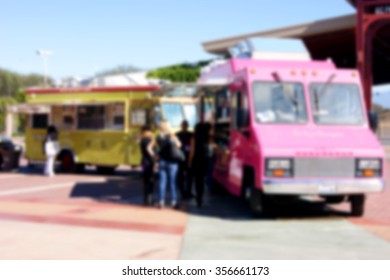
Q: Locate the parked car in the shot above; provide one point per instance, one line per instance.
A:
(9, 154)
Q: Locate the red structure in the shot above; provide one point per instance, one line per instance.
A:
(372, 17)
(359, 40)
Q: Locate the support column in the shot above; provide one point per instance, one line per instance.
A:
(368, 24)
(9, 123)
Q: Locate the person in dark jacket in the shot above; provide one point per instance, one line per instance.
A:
(200, 157)
(184, 176)
(147, 164)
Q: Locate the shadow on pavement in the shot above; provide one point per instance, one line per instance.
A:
(128, 190)
(37, 169)
(114, 190)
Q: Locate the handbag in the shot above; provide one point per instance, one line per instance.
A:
(177, 154)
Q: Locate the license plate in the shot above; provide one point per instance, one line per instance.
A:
(326, 188)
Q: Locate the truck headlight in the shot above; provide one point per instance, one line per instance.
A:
(368, 167)
(282, 167)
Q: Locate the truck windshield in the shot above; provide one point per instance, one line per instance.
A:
(175, 113)
(337, 104)
(279, 103)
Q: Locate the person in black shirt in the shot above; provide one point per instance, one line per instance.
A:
(147, 164)
(199, 157)
(184, 176)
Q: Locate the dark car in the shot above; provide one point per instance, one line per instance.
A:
(9, 154)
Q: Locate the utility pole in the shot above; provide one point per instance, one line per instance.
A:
(45, 54)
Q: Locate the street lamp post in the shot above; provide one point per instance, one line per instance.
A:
(45, 54)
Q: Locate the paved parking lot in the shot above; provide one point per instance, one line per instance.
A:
(91, 216)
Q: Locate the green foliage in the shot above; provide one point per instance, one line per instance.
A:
(185, 73)
(11, 83)
(12, 91)
(4, 101)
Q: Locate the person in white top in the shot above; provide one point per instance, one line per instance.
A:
(51, 148)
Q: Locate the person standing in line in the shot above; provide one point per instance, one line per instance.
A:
(167, 164)
(211, 148)
(184, 176)
(199, 157)
(147, 164)
(51, 148)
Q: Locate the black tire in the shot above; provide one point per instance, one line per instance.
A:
(105, 170)
(67, 162)
(357, 205)
(1, 162)
(258, 203)
(80, 168)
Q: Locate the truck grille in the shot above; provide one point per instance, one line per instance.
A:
(324, 168)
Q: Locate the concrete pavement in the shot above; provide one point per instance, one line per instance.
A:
(210, 238)
(97, 217)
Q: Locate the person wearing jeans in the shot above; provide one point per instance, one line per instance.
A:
(167, 173)
(167, 165)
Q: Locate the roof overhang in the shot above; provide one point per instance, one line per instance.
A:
(300, 31)
(28, 109)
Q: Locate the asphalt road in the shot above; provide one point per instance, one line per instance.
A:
(90, 216)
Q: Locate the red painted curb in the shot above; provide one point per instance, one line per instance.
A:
(177, 230)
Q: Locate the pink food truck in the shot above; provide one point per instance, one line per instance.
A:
(293, 128)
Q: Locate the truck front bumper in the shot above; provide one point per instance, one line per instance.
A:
(322, 187)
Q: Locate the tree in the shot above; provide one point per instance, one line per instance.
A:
(11, 82)
(4, 101)
(12, 90)
(185, 73)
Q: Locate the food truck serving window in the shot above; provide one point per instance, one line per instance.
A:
(91, 117)
(279, 103)
(337, 104)
(139, 117)
(40, 121)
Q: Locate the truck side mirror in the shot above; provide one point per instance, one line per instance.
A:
(373, 120)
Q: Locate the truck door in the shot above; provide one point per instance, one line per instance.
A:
(239, 134)
(222, 134)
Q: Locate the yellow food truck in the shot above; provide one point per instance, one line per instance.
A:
(100, 126)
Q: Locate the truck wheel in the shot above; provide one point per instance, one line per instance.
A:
(68, 164)
(357, 205)
(105, 170)
(257, 202)
(80, 168)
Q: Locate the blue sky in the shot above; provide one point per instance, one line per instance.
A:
(87, 36)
